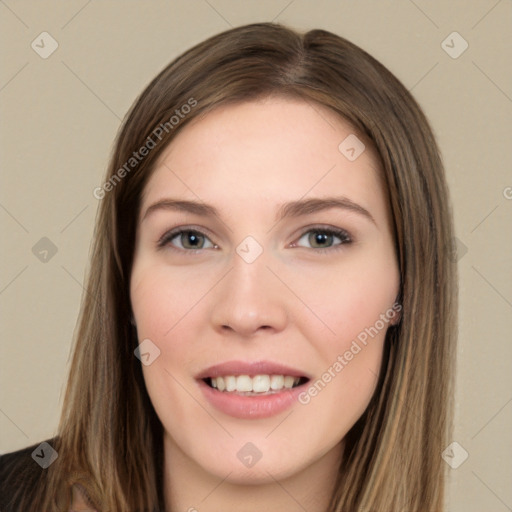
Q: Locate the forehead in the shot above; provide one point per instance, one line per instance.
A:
(253, 153)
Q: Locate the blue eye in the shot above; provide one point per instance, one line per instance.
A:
(319, 239)
(325, 238)
(186, 239)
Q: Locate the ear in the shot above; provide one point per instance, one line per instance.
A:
(396, 309)
(80, 501)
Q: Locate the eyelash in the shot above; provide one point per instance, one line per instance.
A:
(343, 235)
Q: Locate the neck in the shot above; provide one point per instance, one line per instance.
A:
(189, 488)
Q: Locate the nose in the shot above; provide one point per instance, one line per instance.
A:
(250, 299)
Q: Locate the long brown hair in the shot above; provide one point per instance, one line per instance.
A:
(109, 438)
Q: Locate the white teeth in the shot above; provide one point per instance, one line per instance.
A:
(230, 382)
(256, 384)
(221, 383)
(288, 381)
(243, 383)
(276, 382)
(261, 383)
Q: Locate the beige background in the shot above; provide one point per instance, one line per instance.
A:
(60, 116)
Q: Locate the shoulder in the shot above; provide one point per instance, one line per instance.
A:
(20, 471)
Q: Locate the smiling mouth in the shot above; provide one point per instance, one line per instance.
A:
(246, 385)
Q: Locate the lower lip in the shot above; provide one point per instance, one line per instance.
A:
(250, 407)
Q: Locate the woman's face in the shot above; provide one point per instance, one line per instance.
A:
(264, 259)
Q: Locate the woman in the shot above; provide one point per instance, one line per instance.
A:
(271, 304)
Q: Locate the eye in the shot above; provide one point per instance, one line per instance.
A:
(194, 240)
(324, 238)
(186, 239)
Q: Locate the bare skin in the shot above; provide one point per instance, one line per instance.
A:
(302, 302)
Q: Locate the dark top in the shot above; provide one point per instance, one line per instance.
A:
(23, 470)
(19, 474)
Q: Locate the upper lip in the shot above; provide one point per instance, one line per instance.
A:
(250, 368)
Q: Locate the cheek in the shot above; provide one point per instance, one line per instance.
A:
(348, 299)
(355, 303)
(168, 306)
(162, 306)
(347, 378)
(161, 299)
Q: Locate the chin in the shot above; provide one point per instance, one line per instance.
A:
(261, 473)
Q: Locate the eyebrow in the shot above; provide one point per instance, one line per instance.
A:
(286, 210)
